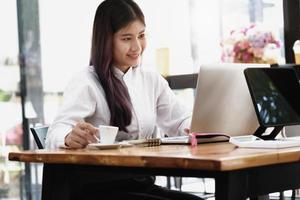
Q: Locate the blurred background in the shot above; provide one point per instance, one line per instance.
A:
(42, 43)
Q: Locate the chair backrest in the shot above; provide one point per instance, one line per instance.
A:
(39, 133)
(182, 81)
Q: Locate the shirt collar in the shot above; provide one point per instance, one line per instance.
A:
(121, 75)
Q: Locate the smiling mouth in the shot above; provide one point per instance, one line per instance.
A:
(134, 56)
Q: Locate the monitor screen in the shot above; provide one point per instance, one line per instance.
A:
(275, 93)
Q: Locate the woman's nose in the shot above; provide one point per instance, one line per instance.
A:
(136, 45)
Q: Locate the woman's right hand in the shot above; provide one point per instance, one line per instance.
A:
(81, 135)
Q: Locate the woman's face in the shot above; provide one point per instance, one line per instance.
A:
(128, 45)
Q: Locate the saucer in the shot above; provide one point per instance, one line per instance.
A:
(104, 146)
(125, 144)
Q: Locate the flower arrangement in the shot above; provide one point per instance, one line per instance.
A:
(250, 45)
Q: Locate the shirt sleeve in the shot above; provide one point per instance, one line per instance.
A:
(172, 116)
(78, 104)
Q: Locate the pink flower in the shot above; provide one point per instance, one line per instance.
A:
(248, 45)
(14, 135)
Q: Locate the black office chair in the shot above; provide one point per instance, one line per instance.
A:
(39, 133)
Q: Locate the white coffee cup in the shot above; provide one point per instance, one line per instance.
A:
(108, 134)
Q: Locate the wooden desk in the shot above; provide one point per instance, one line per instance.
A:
(239, 172)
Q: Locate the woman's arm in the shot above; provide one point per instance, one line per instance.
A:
(78, 104)
(172, 117)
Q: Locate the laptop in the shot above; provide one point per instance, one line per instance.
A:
(222, 103)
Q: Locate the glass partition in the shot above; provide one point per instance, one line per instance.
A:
(10, 103)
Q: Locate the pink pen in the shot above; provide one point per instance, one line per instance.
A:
(193, 139)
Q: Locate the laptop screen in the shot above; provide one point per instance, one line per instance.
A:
(275, 94)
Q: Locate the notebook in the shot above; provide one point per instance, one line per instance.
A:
(222, 104)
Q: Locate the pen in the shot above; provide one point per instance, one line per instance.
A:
(98, 140)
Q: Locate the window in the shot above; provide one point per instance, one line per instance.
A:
(213, 21)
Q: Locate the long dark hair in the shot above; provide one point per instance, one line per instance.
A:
(111, 16)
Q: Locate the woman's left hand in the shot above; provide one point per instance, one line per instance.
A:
(187, 131)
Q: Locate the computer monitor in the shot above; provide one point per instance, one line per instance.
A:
(223, 102)
(275, 94)
(296, 67)
(297, 70)
(291, 131)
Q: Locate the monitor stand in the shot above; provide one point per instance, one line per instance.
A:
(261, 130)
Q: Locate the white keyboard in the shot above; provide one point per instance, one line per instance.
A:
(255, 142)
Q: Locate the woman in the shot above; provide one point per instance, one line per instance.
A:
(116, 91)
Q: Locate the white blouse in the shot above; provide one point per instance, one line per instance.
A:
(154, 105)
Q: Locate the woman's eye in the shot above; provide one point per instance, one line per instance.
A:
(142, 36)
(126, 39)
